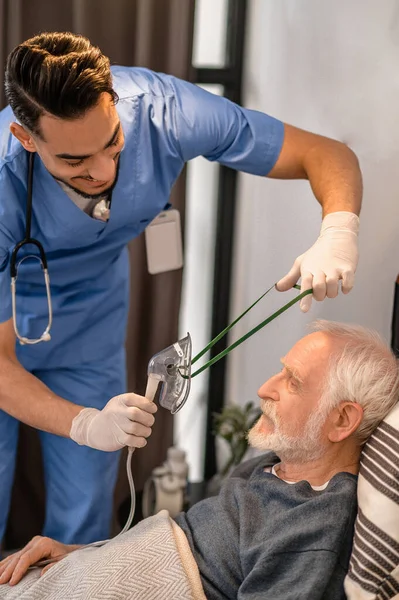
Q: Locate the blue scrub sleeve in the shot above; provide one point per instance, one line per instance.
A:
(220, 130)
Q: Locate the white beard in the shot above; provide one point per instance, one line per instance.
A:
(305, 447)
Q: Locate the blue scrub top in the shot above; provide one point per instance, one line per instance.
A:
(166, 122)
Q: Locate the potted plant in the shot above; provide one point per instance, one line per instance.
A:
(232, 426)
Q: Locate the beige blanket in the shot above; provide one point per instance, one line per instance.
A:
(152, 561)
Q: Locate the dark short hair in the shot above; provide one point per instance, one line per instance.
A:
(62, 74)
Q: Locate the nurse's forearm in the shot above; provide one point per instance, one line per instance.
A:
(330, 166)
(335, 177)
(27, 399)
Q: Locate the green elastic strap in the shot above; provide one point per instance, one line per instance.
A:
(247, 335)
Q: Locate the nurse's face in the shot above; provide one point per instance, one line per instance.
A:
(83, 152)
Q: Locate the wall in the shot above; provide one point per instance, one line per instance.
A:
(199, 256)
(332, 68)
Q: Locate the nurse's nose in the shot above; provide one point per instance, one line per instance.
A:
(103, 168)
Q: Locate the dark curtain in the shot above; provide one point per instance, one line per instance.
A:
(150, 33)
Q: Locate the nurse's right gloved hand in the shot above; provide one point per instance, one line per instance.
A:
(125, 421)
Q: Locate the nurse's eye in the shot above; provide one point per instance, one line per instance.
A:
(76, 164)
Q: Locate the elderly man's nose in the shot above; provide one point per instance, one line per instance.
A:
(268, 389)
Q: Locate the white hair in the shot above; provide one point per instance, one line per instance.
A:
(364, 370)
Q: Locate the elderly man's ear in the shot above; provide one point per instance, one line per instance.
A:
(344, 420)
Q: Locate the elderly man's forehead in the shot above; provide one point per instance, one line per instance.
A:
(319, 341)
(310, 353)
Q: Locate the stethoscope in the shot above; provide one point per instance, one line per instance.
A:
(14, 264)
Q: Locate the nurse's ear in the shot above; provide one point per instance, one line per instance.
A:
(23, 136)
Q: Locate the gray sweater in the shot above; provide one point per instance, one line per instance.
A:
(263, 538)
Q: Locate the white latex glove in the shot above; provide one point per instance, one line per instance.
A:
(125, 421)
(332, 257)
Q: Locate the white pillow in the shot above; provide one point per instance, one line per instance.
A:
(374, 564)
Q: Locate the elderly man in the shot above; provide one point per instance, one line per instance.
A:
(282, 525)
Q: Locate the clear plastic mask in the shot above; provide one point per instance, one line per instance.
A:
(172, 366)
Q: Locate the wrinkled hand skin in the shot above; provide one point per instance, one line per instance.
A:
(15, 566)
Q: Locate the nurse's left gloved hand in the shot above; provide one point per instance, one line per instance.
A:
(333, 257)
(125, 421)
